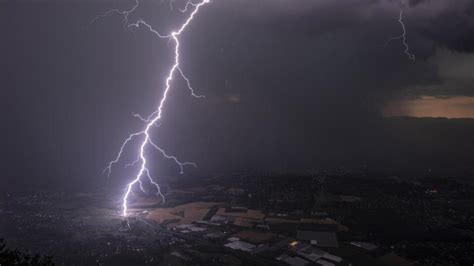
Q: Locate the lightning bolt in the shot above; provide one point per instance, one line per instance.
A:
(153, 119)
(402, 36)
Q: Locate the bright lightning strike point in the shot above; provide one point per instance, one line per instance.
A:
(154, 117)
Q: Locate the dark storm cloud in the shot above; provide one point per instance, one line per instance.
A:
(452, 28)
(449, 24)
(289, 84)
(454, 76)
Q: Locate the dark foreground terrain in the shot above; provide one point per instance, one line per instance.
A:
(320, 219)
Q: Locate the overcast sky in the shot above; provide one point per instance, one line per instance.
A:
(290, 85)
